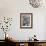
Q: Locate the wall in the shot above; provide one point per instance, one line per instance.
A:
(13, 8)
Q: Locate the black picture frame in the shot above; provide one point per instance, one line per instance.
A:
(26, 20)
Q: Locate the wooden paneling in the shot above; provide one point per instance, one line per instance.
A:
(21, 44)
(42, 44)
(25, 44)
(17, 44)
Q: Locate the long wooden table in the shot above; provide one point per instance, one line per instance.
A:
(25, 42)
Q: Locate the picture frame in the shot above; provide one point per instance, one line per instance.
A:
(26, 20)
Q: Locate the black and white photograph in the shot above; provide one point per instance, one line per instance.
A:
(26, 20)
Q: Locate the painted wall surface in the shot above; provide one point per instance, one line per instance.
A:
(13, 8)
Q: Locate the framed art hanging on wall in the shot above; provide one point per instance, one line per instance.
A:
(26, 20)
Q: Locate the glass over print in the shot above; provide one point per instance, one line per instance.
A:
(26, 20)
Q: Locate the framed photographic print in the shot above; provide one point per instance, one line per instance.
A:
(26, 20)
